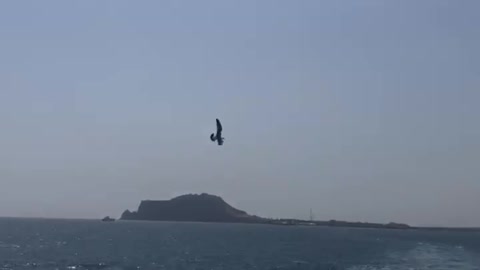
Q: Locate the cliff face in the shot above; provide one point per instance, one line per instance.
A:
(203, 207)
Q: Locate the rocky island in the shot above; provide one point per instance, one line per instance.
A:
(191, 207)
(210, 208)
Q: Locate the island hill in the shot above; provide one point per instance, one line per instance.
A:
(209, 208)
(191, 207)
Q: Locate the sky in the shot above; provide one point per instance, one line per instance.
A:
(359, 110)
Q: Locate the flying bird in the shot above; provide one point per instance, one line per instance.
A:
(218, 136)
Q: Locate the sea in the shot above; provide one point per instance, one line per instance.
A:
(93, 244)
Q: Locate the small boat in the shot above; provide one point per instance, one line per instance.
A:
(107, 218)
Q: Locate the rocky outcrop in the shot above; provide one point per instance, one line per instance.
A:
(192, 207)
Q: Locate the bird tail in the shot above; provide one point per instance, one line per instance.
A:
(212, 137)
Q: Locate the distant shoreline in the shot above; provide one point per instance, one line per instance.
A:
(213, 209)
(411, 228)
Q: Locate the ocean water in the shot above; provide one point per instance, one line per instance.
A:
(83, 244)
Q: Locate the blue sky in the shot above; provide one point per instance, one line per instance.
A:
(360, 110)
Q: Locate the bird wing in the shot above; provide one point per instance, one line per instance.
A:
(219, 126)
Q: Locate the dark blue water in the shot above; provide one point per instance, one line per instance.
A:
(77, 244)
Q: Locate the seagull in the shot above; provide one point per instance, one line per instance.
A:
(218, 136)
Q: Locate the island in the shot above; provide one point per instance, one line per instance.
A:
(108, 219)
(191, 207)
(210, 208)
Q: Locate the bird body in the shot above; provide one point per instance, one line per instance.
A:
(218, 136)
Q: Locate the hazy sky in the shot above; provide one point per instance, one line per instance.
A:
(360, 110)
